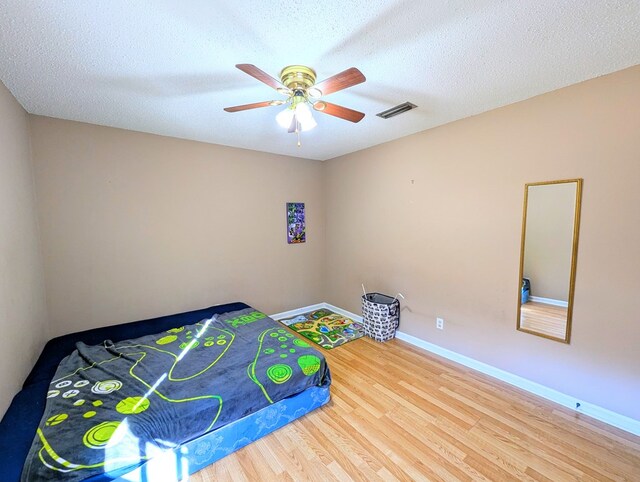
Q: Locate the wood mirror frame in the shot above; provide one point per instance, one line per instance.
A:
(572, 269)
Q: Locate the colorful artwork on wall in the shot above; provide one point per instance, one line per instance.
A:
(296, 227)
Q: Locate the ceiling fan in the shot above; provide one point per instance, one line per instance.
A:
(298, 83)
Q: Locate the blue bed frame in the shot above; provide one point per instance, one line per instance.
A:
(19, 424)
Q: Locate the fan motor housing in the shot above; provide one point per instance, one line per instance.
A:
(298, 77)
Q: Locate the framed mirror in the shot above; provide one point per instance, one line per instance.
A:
(548, 251)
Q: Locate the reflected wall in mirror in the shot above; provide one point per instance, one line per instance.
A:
(550, 224)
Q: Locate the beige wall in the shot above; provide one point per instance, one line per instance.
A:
(437, 216)
(136, 225)
(549, 239)
(23, 314)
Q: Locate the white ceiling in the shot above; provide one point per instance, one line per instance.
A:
(167, 67)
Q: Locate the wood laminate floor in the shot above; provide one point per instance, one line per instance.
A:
(399, 413)
(543, 318)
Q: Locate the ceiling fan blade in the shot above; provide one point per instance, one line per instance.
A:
(343, 80)
(338, 111)
(261, 75)
(255, 105)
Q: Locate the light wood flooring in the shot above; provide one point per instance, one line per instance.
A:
(543, 318)
(399, 413)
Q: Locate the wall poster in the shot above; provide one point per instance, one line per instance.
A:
(296, 228)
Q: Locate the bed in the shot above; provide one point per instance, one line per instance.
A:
(157, 398)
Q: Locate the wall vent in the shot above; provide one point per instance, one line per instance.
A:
(397, 110)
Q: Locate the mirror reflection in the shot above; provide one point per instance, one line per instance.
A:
(548, 258)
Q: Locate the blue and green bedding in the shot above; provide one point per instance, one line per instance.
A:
(115, 405)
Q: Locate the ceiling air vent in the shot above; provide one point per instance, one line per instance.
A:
(397, 110)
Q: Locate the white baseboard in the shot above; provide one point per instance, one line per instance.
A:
(297, 311)
(549, 301)
(607, 416)
(612, 418)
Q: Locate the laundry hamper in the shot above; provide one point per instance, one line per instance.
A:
(380, 316)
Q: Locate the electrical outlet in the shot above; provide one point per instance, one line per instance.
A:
(439, 323)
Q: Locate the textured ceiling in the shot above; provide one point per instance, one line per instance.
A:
(167, 67)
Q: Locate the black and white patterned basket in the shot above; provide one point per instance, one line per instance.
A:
(380, 316)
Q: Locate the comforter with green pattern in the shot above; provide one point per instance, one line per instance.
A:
(113, 406)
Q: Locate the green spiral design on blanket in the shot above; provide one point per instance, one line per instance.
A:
(279, 373)
(106, 386)
(97, 437)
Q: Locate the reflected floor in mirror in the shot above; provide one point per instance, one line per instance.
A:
(545, 319)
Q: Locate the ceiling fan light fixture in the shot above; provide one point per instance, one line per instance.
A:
(304, 116)
(285, 117)
(307, 124)
(302, 111)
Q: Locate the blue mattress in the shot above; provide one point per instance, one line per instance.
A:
(19, 424)
(211, 447)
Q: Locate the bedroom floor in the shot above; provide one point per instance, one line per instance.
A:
(399, 413)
